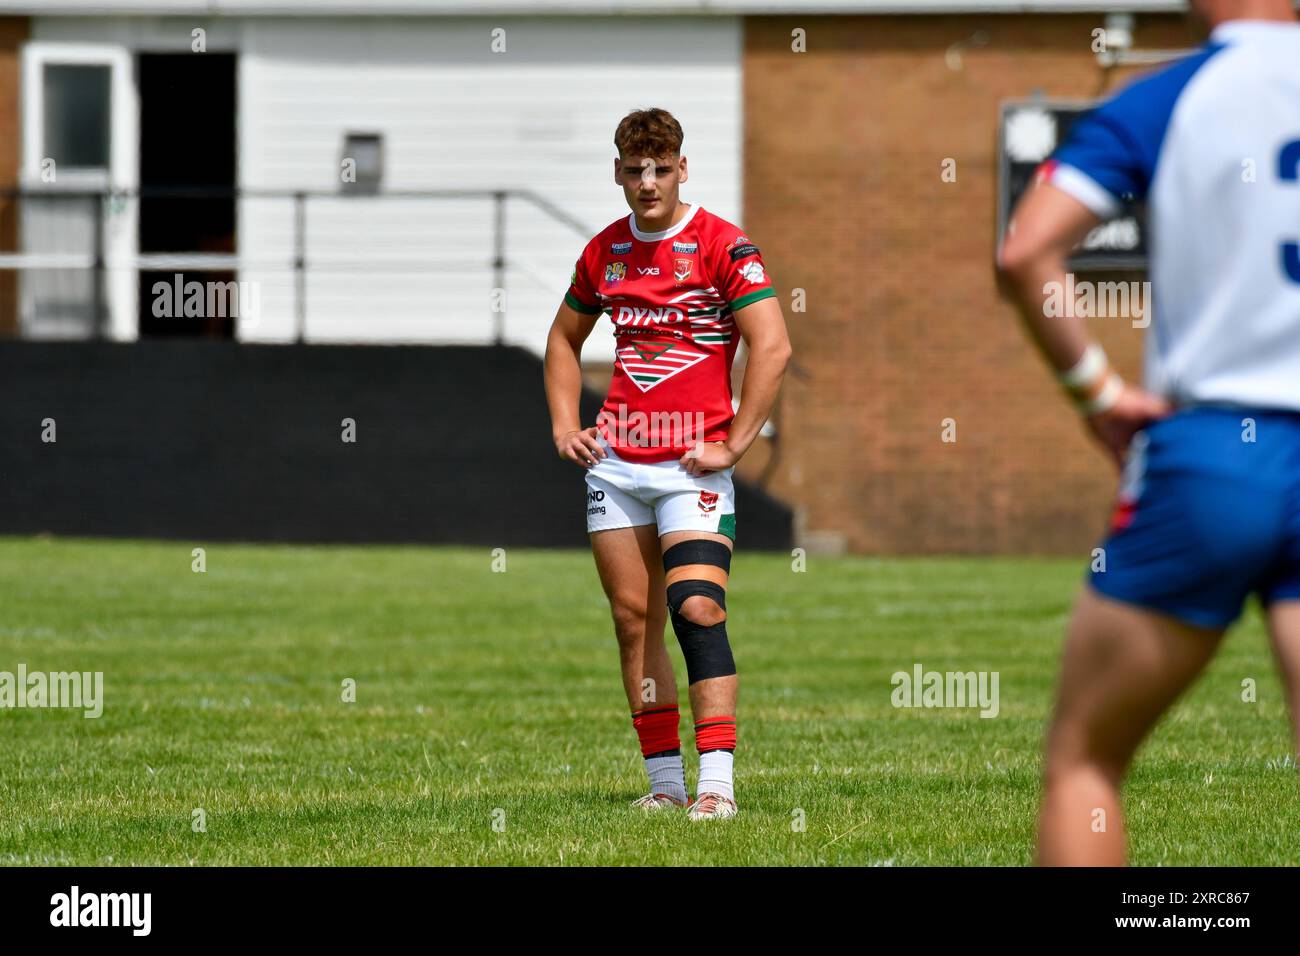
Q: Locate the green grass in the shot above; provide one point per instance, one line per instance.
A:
(488, 696)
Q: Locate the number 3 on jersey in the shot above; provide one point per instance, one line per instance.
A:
(1288, 165)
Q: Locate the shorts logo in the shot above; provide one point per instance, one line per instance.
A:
(682, 269)
(620, 248)
(595, 495)
(708, 501)
(594, 507)
(685, 248)
(614, 271)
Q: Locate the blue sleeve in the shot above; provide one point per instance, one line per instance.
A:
(1117, 144)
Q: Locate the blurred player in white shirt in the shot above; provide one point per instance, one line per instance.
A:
(1209, 506)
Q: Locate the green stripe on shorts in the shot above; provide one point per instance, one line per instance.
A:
(727, 526)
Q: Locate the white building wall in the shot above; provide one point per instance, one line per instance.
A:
(453, 115)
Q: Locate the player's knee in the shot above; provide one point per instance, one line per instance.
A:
(1083, 774)
(699, 621)
(697, 604)
(702, 610)
(1073, 756)
(705, 649)
(629, 618)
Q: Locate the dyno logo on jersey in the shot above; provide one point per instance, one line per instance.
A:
(632, 315)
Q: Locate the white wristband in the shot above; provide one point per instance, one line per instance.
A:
(1085, 373)
(1105, 399)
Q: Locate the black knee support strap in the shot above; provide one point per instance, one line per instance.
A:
(706, 649)
(698, 551)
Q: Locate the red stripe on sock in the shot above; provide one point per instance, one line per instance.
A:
(657, 730)
(715, 733)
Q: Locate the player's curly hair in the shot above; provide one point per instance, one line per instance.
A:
(653, 132)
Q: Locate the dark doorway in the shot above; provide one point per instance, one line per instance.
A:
(187, 142)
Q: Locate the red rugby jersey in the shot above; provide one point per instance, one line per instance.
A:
(671, 296)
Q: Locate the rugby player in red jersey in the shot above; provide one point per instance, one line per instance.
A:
(681, 286)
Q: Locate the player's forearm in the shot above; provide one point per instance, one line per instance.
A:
(563, 376)
(764, 373)
(1078, 363)
(1047, 225)
(1061, 339)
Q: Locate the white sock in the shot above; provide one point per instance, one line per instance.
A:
(715, 774)
(667, 776)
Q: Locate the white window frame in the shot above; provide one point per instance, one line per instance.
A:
(124, 118)
(121, 239)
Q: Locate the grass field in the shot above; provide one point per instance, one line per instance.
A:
(489, 725)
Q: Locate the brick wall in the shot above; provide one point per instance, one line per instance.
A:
(904, 324)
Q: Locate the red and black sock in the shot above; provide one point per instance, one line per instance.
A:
(656, 729)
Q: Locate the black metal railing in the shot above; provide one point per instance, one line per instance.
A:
(95, 257)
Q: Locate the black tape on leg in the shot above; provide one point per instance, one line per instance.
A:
(679, 591)
(698, 551)
(705, 648)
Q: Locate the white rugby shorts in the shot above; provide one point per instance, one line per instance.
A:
(625, 494)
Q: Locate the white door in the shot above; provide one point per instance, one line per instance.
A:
(80, 146)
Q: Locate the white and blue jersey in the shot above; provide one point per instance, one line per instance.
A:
(1213, 144)
(1210, 506)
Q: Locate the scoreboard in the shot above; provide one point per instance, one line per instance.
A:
(1028, 132)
